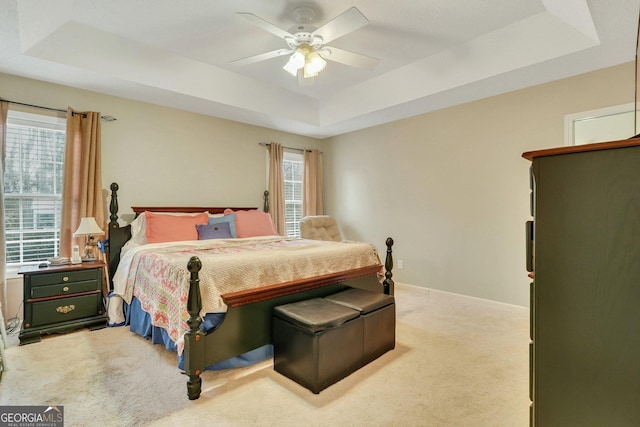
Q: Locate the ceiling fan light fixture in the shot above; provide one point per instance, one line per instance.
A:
(306, 43)
(295, 62)
(314, 64)
(305, 58)
(309, 72)
(290, 68)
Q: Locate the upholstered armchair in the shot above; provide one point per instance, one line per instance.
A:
(320, 227)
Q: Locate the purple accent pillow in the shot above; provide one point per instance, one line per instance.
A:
(221, 230)
(230, 219)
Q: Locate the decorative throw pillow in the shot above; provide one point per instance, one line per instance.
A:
(221, 230)
(228, 219)
(171, 228)
(253, 223)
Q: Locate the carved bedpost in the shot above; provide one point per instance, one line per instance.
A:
(194, 338)
(113, 206)
(388, 283)
(266, 200)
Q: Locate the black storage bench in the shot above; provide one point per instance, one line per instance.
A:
(320, 341)
(317, 342)
(378, 313)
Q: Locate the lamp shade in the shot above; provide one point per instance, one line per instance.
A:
(305, 58)
(88, 226)
(295, 62)
(314, 64)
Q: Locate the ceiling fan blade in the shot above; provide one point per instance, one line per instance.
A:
(265, 25)
(261, 57)
(350, 20)
(348, 58)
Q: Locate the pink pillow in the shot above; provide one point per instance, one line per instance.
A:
(171, 228)
(253, 223)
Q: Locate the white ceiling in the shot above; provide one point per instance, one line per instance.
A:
(433, 54)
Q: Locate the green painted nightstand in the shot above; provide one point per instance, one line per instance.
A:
(61, 298)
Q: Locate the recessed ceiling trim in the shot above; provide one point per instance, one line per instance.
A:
(535, 39)
(575, 13)
(85, 47)
(432, 56)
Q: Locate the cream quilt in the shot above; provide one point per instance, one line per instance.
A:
(157, 275)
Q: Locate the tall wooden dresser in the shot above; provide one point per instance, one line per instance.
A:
(585, 296)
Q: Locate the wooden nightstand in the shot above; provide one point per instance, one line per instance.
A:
(62, 298)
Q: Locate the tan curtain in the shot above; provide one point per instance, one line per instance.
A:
(312, 200)
(82, 187)
(276, 188)
(4, 109)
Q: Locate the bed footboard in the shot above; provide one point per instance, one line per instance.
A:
(247, 323)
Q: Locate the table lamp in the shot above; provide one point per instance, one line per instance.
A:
(88, 227)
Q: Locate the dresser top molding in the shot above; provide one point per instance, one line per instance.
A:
(632, 142)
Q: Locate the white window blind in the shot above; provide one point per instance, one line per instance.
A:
(293, 168)
(33, 187)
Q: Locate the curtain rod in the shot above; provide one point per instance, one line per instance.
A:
(266, 144)
(104, 118)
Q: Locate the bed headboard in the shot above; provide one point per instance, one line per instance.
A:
(185, 209)
(118, 236)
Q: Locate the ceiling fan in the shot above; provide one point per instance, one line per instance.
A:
(307, 44)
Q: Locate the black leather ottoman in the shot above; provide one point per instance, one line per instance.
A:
(378, 312)
(317, 342)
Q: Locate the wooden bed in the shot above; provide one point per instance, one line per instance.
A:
(247, 323)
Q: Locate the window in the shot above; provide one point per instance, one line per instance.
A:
(33, 187)
(293, 171)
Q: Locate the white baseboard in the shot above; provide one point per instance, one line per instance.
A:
(464, 296)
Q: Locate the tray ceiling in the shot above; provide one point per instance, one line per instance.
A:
(433, 54)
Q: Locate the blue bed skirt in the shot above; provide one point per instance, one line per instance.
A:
(139, 322)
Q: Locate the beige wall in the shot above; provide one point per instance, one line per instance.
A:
(451, 186)
(162, 156)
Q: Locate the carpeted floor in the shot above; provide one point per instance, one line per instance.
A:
(458, 362)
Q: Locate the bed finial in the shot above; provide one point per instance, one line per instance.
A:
(194, 303)
(388, 283)
(266, 201)
(113, 206)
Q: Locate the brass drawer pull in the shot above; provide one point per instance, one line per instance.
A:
(65, 289)
(64, 309)
(65, 279)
